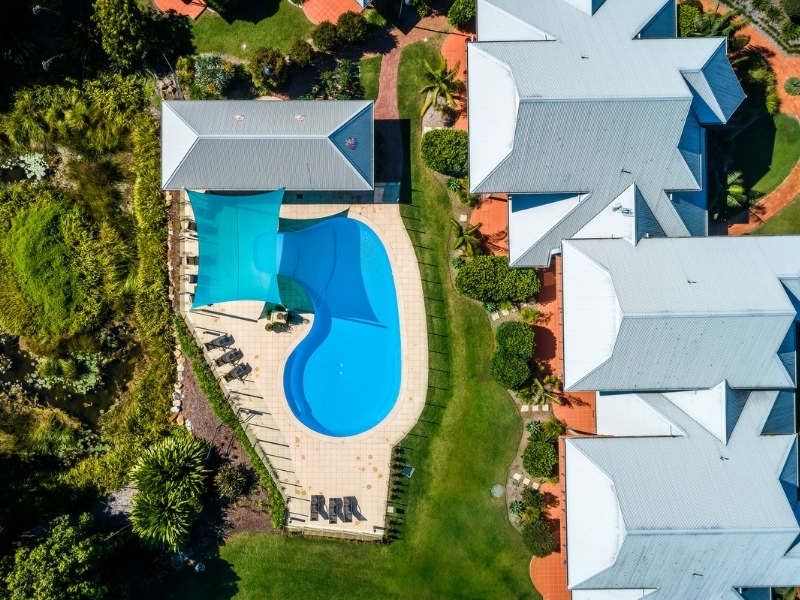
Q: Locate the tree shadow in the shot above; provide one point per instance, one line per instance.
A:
(251, 12)
(546, 343)
(752, 152)
(173, 37)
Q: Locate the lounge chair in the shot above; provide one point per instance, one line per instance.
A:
(349, 501)
(222, 341)
(238, 372)
(332, 510)
(191, 225)
(230, 357)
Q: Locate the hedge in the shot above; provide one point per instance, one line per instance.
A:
(539, 458)
(461, 12)
(490, 279)
(445, 151)
(209, 385)
(508, 370)
(538, 538)
(515, 338)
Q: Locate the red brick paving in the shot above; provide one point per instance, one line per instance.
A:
(318, 11)
(191, 9)
(454, 50)
(492, 214)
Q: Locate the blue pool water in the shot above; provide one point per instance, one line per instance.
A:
(344, 377)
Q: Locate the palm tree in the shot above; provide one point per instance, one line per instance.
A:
(713, 24)
(735, 193)
(442, 82)
(468, 239)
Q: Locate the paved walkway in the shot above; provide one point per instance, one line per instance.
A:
(192, 9)
(454, 50)
(318, 11)
(778, 199)
(492, 214)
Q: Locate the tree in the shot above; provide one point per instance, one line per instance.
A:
(735, 192)
(446, 151)
(301, 53)
(267, 67)
(542, 391)
(468, 239)
(123, 31)
(169, 479)
(713, 24)
(538, 538)
(442, 84)
(508, 370)
(461, 12)
(65, 565)
(324, 36)
(490, 279)
(515, 338)
(351, 27)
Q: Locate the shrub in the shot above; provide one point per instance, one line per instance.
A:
(230, 481)
(792, 8)
(508, 370)
(421, 7)
(445, 151)
(338, 84)
(774, 14)
(792, 86)
(376, 19)
(693, 3)
(213, 73)
(529, 315)
(490, 279)
(184, 70)
(461, 12)
(122, 25)
(687, 17)
(515, 338)
(324, 36)
(267, 58)
(553, 428)
(351, 27)
(538, 538)
(301, 53)
(790, 30)
(539, 458)
(532, 498)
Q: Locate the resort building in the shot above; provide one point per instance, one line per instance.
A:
(299, 281)
(590, 115)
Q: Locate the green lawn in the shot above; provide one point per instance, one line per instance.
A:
(262, 23)
(456, 541)
(370, 76)
(786, 222)
(767, 151)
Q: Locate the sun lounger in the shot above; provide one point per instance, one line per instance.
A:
(315, 504)
(230, 357)
(332, 510)
(222, 341)
(238, 372)
(190, 225)
(348, 508)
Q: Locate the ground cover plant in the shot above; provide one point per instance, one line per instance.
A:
(451, 522)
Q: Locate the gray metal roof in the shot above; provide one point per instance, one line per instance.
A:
(247, 145)
(700, 517)
(691, 312)
(563, 100)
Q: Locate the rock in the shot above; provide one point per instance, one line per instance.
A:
(160, 84)
(181, 420)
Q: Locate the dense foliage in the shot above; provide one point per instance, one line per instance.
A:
(337, 84)
(538, 538)
(351, 27)
(792, 8)
(301, 53)
(792, 86)
(213, 73)
(509, 370)
(325, 36)
(445, 151)
(461, 12)
(490, 279)
(65, 565)
(515, 338)
(539, 458)
(122, 26)
(687, 16)
(230, 481)
(268, 60)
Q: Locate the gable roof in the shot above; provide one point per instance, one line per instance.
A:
(696, 518)
(247, 145)
(567, 98)
(683, 313)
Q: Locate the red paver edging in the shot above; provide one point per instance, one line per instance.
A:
(318, 11)
(192, 9)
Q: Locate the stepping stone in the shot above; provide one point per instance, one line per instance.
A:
(535, 485)
(534, 408)
(505, 312)
(495, 316)
(524, 408)
(517, 476)
(526, 481)
(463, 218)
(546, 408)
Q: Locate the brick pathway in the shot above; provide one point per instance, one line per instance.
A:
(492, 214)
(454, 50)
(177, 7)
(780, 197)
(318, 11)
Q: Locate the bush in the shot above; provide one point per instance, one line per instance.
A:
(508, 370)
(421, 7)
(538, 538)
(184, 70)
(230, 481)
(790, 30)
(529, 315)
(213, 73)
(445, 151)
(693, 3)
(338, 84)
(532, 498)
(351, 27)
(515, 338)
(490, 279)
(553, 428)
(792, 8)
(123, 27)
(687, 17)
(539, 458)
(376, 19)
(262, 59)
(461, 13)
(792, 86)
(301, 53)
(324, 36)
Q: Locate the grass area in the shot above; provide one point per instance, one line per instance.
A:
(767, 151)
(370, 76)
(456, 540)
(786, 222)
(264, 23)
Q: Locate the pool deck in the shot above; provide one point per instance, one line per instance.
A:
(306, 462)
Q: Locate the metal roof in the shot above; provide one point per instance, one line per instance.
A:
(682, 313)
(698, 517)
(566, 97)
(247, 145)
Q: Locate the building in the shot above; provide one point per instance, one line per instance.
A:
(590, 114)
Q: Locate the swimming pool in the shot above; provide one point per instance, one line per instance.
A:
(344, 376)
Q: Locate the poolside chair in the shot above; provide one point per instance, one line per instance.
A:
(349, 501)
(332, 510)
(230, 357)
(222, 341)
(190, 225)
(240, 371)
